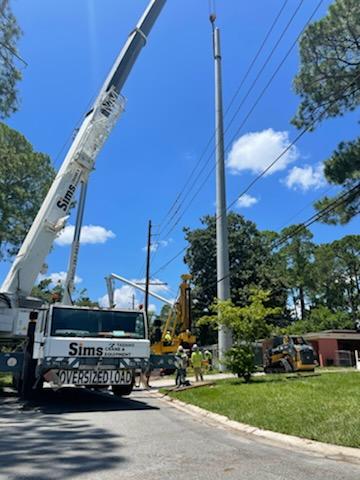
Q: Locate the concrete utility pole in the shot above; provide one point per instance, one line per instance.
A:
(222, 247)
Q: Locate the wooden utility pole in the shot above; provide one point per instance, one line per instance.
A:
(147, 279)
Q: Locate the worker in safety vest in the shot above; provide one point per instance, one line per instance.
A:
(167, 338)
(196, 362)
(208, 359)
(181, 361)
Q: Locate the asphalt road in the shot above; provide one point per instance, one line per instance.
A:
(76, 434)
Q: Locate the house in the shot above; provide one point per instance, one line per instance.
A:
(335, 347)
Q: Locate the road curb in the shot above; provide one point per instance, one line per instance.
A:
(334, 452)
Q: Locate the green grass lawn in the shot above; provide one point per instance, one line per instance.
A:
(324, 408)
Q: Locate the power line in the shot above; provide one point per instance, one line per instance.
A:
(314, 218)
(212, 137)
(305, 207)
(342, 199)
(258, 54)
(297, 138)
(260, 49)
(268, 167)
(241, 103)
(329, 208)
(13, 52)
(245, 120)
(169, 261)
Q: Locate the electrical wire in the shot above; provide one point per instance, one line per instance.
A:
(332, 206)
(305, 207)
(314, 218)
(342, 199)
(260, 49)
(13, 52)
(245, 120)
(258, 177)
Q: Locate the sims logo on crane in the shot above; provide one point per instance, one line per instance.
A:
(64, 202)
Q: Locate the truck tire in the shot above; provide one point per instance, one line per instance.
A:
(122, 390)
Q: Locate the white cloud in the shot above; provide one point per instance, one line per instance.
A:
(57, 277)
(305, 178)
(256, 150)
(246, 201)
(89, 234)
(159, 244)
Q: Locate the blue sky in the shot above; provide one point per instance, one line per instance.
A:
(169, 118)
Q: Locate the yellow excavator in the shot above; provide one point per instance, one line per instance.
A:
(177, 328)
(288, 353)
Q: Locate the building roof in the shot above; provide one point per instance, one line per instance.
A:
(335, 334)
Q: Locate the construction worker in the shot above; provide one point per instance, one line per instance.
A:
(208, 359)
(196, 362)
(145, 377)
(181, 360)
(167, 338)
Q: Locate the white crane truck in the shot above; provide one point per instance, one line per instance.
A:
(66, 344)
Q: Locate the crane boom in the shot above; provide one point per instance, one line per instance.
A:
(78, 163)
(75, 246)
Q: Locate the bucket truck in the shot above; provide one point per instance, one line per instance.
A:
(65, 344)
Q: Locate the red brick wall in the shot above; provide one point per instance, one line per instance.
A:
(326, 350)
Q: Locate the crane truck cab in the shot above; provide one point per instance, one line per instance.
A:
(83, 346)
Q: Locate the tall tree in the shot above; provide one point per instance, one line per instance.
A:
(329, 85)
(347, 253)
(343, 168)
(249, 263)
(83, 299)
(297, 254)
(25, 177)
(50, 293)
(327, 287)
(47, 292)
(9, 74)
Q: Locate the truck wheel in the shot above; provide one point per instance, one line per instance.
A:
(122, 390)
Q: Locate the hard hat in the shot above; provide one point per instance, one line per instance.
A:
(195, 347)
(180, 348)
